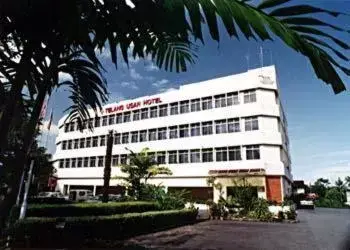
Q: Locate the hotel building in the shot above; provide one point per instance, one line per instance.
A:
(233, 128)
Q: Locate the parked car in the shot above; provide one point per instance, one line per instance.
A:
(49, 198)
(307, 203)
(98, 198)
(80, 195)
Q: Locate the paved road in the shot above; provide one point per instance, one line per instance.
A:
(318, 229)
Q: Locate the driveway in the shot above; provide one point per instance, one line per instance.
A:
(318, 229)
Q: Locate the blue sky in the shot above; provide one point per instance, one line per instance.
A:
(319, 120)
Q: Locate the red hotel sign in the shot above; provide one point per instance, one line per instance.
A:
(133, 105)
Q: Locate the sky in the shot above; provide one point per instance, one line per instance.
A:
(318, 120)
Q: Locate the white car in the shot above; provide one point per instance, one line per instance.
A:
(307, 204)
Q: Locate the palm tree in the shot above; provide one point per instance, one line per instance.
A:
(142, 167)
(347, 180)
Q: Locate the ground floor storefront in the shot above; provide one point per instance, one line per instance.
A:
(273, 188)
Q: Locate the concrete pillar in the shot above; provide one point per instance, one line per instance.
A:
(94, 190)
(216, 193)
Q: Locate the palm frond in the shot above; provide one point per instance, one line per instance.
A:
(87, 88)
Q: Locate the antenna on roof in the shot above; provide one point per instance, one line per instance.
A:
(261, 57)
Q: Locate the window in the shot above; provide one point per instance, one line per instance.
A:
(66, 127)
(162, 134)
(125, 138)
(100, 162)
(195, 155)
(253, 152)
(174, 108)
(72, 126)
(221, 154)
(220, 126)
(82, 143)
(117, 139)
(67, 163)
(184, 107)
(184, 131)
(73, 163)
(70, 144)
(207, 103)
(220, 101)
(111, 119)
(207, 128)
(76, 144)
(134, 136)
(152, 135)
(234, 154)
(173, 132)
(163, 110)
(161, 157)
(172, 157)
(61, 164)
(95, 141)
(232, 99)
(207, 155)
(86, 162)
(93, 162)
(123, 159)
(233, 125)
(102, 140)
(115, 159)
(88, 142)
(143, 135)
(136, 115)
(195, 105)
(84, 124)
(97, 122)
(195, 129)
(64, 145)
(183, 156)
(153, 112)
(104, 120)
(249, 96)
(152, 156)
(144, 114)
(127, 116)
(91, 123)
(251, 123)
(79, 162)
(119, 119)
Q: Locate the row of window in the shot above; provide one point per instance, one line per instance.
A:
(170, 157)
(175, 108)
(173, 132)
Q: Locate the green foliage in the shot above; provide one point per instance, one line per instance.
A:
(142, 167)
(90, 209)
(260, 210)
(291, 215)
(42, 232)
(165, 200)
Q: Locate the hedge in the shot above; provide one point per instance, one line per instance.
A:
(90, 209)
(44, 232)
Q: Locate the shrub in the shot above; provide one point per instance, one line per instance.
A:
(43, 232)
(90, 209)
(291, 215)
(260, 210)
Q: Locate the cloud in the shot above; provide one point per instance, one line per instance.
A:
(53, 129)
(116, 97)
(131, 85)
(160, 83)
(134, 75)
(104, 54)
(64, 77)
(151, 67)
(133, 60)
(150, 78)
(331, 154)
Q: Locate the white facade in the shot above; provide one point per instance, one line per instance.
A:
(246, 118)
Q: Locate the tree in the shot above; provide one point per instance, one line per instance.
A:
(320, 187)
(347, 181)
(142, 167)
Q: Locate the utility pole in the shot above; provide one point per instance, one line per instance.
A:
(20, 187)
(26, 191)
(107, 169)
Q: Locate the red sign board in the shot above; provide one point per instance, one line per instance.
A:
(133, 105)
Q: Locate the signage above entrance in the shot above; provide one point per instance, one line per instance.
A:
(133, 105)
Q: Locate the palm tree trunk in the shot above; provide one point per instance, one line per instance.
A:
(107, 169)
(23, 156)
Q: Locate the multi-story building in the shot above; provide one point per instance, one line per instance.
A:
(229, 127)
